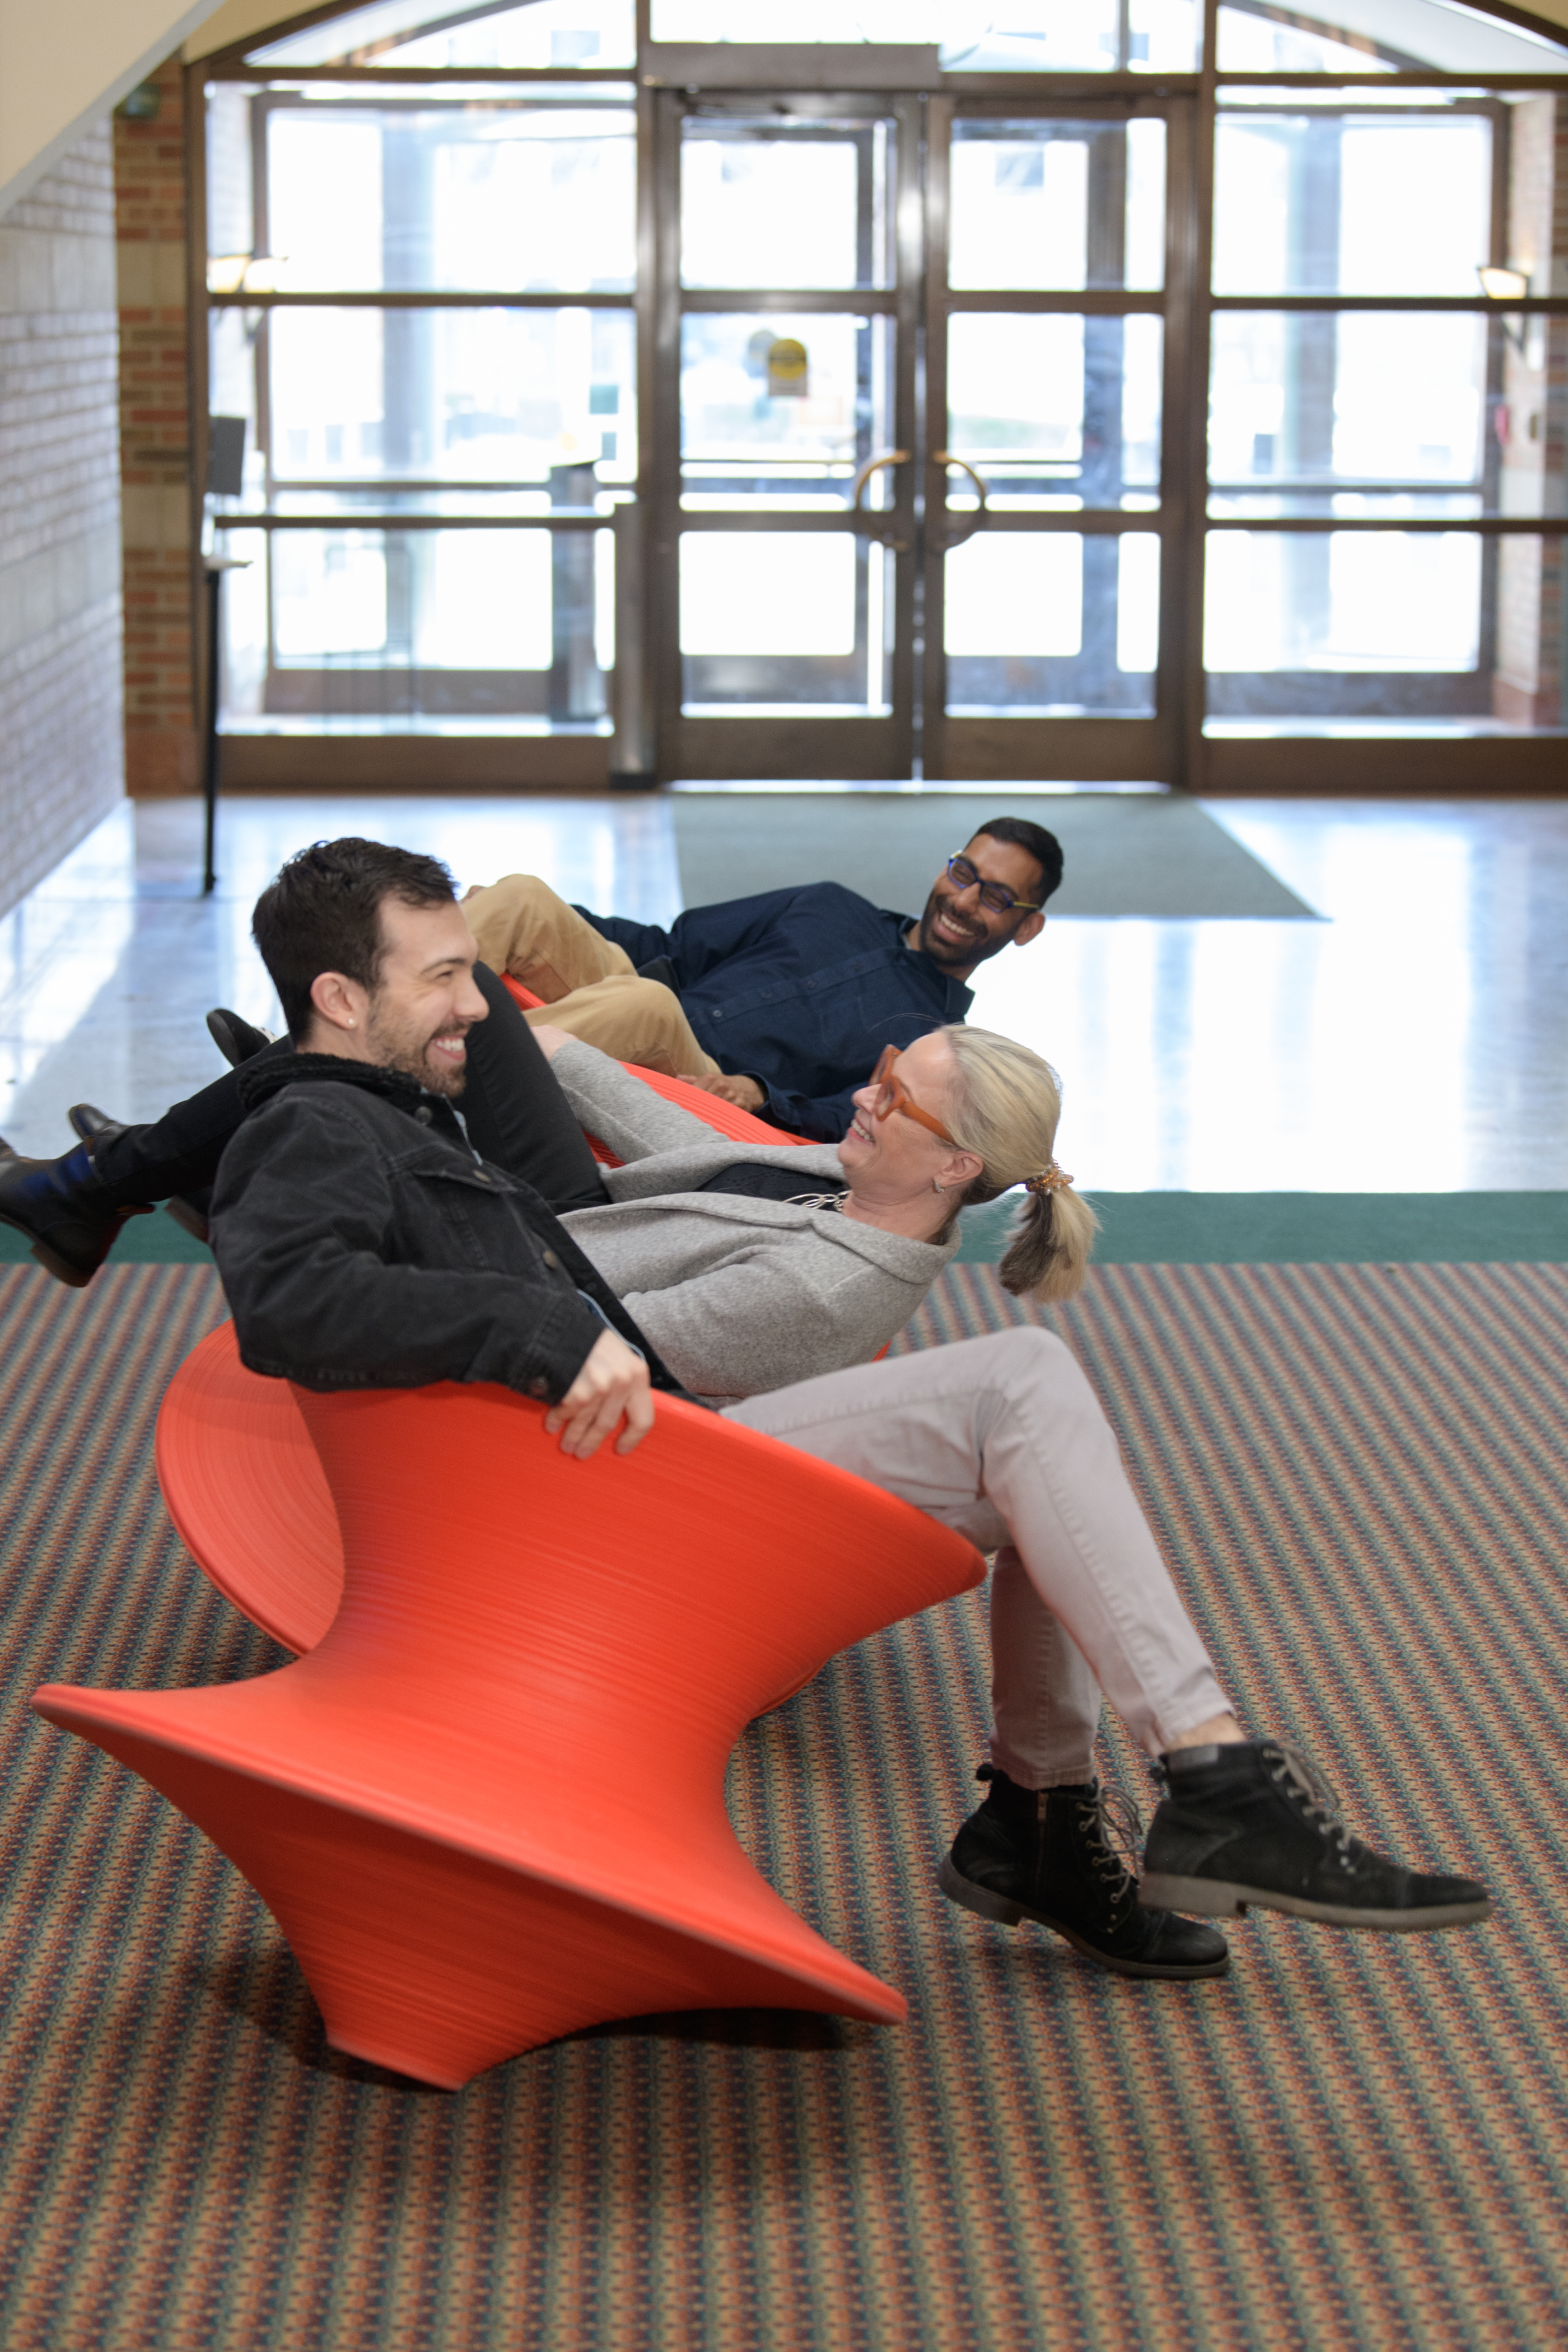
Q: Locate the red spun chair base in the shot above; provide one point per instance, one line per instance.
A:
(487, 1808)
(439, 1963)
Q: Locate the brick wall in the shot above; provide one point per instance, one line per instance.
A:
(160, 749)
(61, 745)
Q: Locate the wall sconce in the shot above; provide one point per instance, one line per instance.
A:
(244, 273)
(1506, 286)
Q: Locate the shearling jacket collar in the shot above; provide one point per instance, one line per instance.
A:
(262, 1079)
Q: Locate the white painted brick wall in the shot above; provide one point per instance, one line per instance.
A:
(61, 732)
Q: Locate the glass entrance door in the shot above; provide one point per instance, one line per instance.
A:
(911, 365)
(1050, 373)
(785, 416)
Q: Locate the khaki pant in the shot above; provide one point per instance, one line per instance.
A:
(588, 984)
(1004, 1439)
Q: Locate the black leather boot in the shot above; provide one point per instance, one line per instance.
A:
(59, 1206)
(190, 1210)
(1256, 1823)
(237, 1041)
(1047, 1854)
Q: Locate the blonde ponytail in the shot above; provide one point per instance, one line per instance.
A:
(1049, 1249)
(1006, 1105)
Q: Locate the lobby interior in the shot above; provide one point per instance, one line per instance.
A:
(575, 436)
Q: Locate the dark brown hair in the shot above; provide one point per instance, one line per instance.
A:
(1044, 847)
(324, 914)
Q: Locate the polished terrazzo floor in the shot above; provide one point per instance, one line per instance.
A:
(1417, 1039)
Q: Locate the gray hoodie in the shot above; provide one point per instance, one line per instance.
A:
(739, 1296)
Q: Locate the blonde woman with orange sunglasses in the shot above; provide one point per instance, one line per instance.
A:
(752, 1265)
(1002, 1438)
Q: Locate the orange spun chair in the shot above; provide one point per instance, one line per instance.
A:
(486, 1809)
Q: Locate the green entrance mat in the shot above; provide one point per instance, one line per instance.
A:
(1157, 855)
(1178, 1229)
(1306, 1228)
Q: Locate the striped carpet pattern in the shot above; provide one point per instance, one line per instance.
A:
(1359, 1474)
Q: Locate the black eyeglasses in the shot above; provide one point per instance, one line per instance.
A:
(993, 894)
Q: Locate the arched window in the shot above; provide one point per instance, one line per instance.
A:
(1092, 388)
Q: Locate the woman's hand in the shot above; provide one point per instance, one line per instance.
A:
(611, 1382)
(550, 1040)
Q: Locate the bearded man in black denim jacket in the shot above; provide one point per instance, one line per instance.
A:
(353, 1163)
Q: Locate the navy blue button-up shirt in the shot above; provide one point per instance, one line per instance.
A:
(800, 990)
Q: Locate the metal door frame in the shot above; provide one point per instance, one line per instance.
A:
(856, 749)
(918, 303)
(1088, 748)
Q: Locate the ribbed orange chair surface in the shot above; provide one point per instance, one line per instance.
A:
(487, 1808)
(245, 1488)
(724, 1118)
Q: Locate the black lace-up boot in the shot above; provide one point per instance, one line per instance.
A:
(1258, 1823)
(61, 1207)
(1047, 1855)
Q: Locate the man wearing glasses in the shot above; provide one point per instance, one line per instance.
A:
(780, 1003)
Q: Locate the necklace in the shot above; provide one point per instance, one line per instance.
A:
(817, 1201)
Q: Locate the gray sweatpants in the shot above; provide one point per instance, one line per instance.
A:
(1004, 1439)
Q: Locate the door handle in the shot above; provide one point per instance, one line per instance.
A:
(872, 466)
(946, 457)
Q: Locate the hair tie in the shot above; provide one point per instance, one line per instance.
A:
(1051, 1179)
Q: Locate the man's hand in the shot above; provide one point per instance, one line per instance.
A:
(744, 1093)
(549, 1039)
(613, 1380)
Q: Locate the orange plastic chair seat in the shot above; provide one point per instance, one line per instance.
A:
(244, 1487)
(487, 1808)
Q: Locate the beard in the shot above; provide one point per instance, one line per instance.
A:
(434, 1080)
(976, 940)
(398, 1049)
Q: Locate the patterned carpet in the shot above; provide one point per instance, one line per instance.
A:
(1359, 1472)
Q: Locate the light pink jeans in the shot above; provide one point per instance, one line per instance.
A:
(1004, 1439)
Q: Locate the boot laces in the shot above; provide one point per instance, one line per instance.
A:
(1113, 1826)
(1313, 1794)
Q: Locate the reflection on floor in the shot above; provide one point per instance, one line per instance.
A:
(1416, 1040)
(107, 968)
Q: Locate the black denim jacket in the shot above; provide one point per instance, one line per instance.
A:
(361, 1246)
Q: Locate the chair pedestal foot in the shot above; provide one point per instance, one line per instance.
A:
(439, 1963)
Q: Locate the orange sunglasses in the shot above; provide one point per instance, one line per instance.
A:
(892, 1095)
